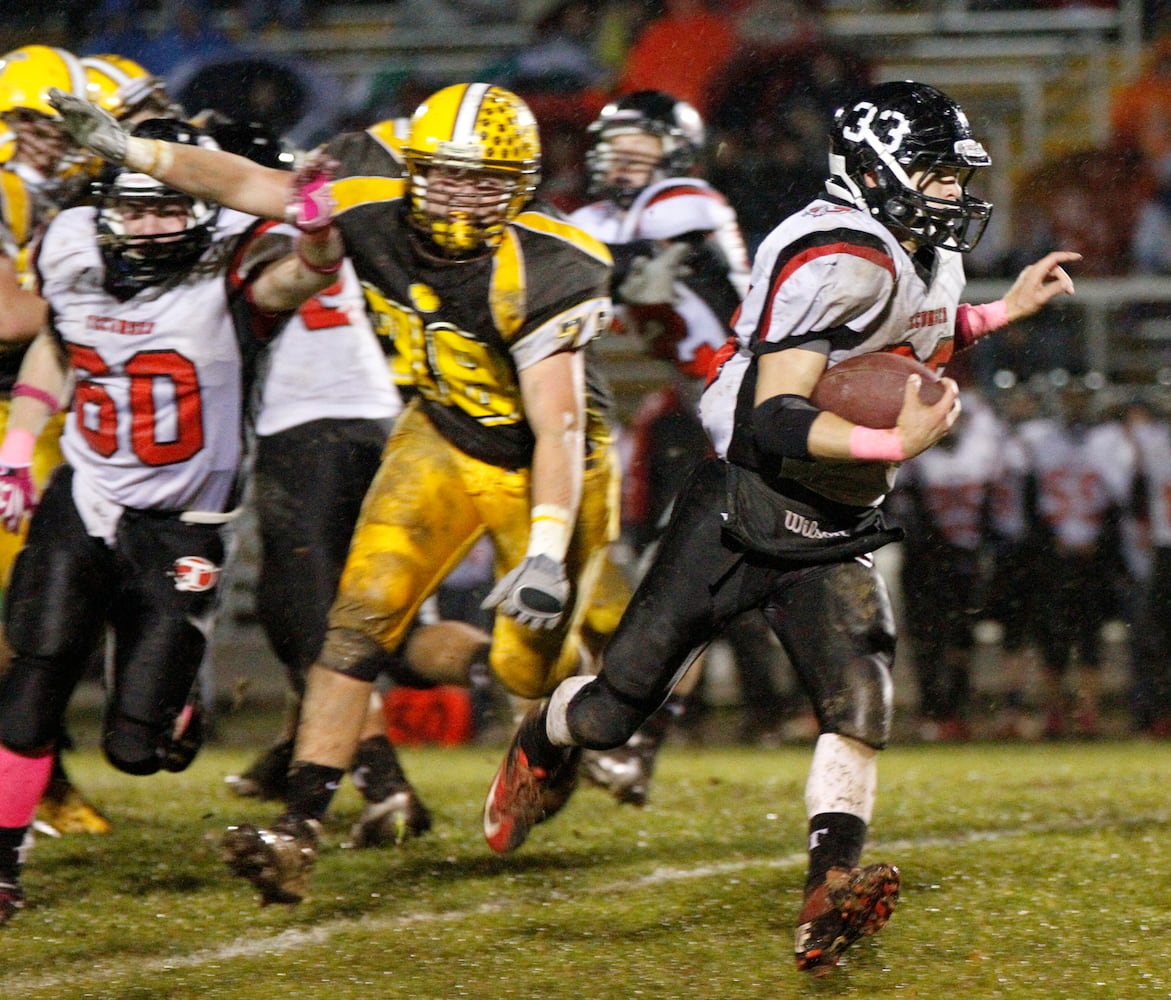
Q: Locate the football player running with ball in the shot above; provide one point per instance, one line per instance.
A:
(786, 517)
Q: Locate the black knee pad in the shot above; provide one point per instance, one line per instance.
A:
(31, 706)
(133, 747)
(601, 719)
(866, 709)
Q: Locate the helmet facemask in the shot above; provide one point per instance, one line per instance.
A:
(677, 126)
(135, 261)
(463, 209)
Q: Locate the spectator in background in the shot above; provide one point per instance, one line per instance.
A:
(280, 14)
(1140, 113)
(188, 38)
(1151, 693)
(118, 27)
(681, 52)
(770, 107)
(559, 58)
(1078, 511)
(943, 497)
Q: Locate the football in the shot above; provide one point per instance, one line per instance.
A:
(868, 389)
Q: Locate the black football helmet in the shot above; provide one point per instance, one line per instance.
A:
(890, 132)
(135, 262)
(653, 112)
(254, 140)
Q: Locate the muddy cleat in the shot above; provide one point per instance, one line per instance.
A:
(277, 861)
(397, 818)
(64, 810)
(625, 772)
(522, 795)
(11, 899)
(267, 777)
(848, 904)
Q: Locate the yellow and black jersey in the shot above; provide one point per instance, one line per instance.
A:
(23, 216)
(462, 331)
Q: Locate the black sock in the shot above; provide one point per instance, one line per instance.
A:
(835, 841)
(311, 788)
(11, 838)
(377, 772)
(535, 742)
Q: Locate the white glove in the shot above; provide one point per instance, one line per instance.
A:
(534, 593)
(651, 280)
(90, 126)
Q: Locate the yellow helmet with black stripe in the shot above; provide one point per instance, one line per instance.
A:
(473, 156)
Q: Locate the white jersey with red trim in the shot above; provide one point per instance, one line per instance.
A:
(832, 273)
(1152, 441)
(1074, 495)
(327, 364)
(668, 210)
(156, 418)
(955, 479)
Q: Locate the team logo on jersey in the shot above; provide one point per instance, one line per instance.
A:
(194, 574)
(423, 298)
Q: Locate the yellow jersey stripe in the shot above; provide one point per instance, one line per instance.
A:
(353, 192)
(508, 293)
(538, 222)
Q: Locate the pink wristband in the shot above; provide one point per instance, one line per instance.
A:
(40, 395)
(871, 444)
(318, 268)
(974, 322)
(17, 449)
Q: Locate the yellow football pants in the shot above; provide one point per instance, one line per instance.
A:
(425, 509)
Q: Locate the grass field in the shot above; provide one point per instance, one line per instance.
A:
(1040, 871)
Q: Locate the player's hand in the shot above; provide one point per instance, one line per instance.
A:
(17, 496)
(651, 280)
(921, 424)
(535, 593)
(310, 206)
(90, 126)
(1038, 283)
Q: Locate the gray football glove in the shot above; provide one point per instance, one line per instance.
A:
(651, 280)
(90, 126)
(534, 593)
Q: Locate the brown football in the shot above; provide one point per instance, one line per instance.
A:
(868, 389)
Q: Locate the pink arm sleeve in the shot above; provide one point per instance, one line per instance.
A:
(974, 322)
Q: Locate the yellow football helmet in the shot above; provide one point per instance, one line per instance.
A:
(473, 157)
(126, 88)
(27, 73)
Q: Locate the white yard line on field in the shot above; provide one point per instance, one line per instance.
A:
(22, 985)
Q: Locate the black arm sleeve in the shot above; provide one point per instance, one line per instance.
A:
(780, 428)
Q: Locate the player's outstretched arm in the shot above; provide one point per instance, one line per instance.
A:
(211, 174)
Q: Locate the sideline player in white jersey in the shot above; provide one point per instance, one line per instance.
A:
(681, 271)
(786, 517)
(160, 305)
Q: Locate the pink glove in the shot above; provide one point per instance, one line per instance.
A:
(17, 496)
(311, 203)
